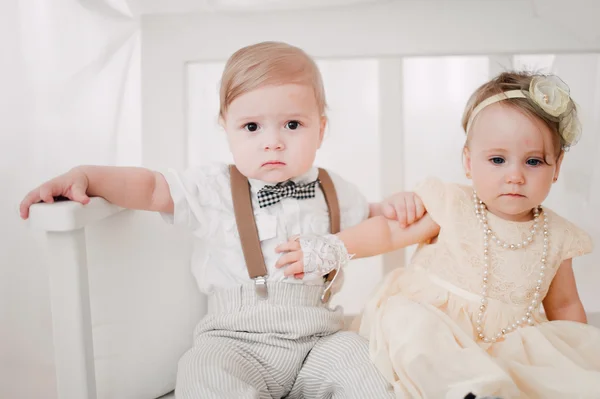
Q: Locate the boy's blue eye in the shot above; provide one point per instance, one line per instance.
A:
(497, 160)
(251, 127)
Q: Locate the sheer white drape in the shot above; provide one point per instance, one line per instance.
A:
(82, 59)
(69, 94)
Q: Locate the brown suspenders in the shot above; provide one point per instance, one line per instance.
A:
(244, 215)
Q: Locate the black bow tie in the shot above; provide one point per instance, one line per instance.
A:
(270, 195)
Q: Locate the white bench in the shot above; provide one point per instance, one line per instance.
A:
(124, 302)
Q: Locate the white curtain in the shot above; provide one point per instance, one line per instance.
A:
(82, 59)
(69, 94)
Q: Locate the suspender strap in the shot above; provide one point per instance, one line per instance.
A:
(246, 225)
(331, 199)
(334, 221)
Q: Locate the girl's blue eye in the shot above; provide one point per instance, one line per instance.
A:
(497, 160)
(534, 162)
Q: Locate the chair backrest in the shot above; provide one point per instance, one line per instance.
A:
(124, 302)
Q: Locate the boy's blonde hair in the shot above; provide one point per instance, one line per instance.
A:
(269, 63)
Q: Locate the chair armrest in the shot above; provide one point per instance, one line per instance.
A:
(70, 215)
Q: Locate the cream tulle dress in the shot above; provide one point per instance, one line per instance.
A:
(421, 321)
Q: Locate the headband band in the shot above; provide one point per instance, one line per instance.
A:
(551, 95)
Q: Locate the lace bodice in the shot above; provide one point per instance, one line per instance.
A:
(457, 255)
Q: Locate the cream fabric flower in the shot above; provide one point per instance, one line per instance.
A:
(551, 94)
(569, 127)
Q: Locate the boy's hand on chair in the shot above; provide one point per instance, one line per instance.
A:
(72, 185)
(312, 254)
(405, 207)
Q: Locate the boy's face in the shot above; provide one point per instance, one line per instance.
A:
(274, 131)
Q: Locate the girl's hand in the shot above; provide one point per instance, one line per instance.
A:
(405, 207)
(72, 185)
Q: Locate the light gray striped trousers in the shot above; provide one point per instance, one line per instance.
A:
(289, 345)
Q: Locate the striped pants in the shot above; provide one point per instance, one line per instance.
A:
(286, 346)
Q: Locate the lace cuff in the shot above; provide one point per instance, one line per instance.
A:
(322, 254)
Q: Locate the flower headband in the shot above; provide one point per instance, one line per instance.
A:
(552, 96)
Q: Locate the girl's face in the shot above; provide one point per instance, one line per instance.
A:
(274, 132)
(506, 159)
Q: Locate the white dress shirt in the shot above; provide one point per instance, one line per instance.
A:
(202, 198)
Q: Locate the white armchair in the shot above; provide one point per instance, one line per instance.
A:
(124, 302)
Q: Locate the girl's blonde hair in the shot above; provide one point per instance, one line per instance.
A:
(507, 81)
(269, 63)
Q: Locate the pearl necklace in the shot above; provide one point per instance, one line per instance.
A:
(480, 212)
